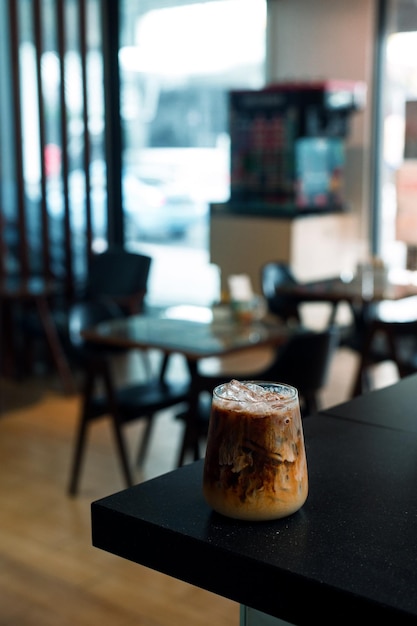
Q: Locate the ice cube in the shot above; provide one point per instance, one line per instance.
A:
(252, 393)
(273, 399)
(249, 392)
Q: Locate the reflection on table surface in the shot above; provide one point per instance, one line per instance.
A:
(188, 330)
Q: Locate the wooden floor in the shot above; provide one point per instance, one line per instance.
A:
(50, 575)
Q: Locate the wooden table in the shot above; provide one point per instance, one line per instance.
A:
(188, 331)
(35, 292)
(348, 556)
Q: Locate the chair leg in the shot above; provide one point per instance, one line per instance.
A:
(358, 384)
(190, 442)
(81, 436)
(121, 448)
(78, 457)
(333, 314)
(362, 380)
(144, 443)
(183, 448)
(311, 404)
(116, 424)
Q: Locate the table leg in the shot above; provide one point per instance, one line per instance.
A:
(191, 439)
(362, 319)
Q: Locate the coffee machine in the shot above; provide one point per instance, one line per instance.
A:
(287, 145)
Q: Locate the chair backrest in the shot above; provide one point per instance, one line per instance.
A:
(273, 275)
(305, 360)
(121, 276)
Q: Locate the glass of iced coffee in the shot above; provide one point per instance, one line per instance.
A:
(255, 466)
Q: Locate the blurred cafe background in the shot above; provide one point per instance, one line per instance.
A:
(213, 137)
(72, 70)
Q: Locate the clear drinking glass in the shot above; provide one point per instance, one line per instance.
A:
(255, 466)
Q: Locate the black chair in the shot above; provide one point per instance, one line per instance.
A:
(120, 276)
(303, 361)
(275, 274)
(114, 276)
(390, 335)
(120, 404)
(288, 306)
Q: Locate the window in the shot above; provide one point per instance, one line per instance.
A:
(399, 174)
(178, 61)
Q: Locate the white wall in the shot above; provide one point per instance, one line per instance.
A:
(329, 39)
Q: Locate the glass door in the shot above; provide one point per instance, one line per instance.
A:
(399, 174)
(177, 62)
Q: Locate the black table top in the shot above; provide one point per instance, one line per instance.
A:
(349, 553)
(394, 406)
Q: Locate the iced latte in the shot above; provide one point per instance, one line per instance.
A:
(255, 466)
